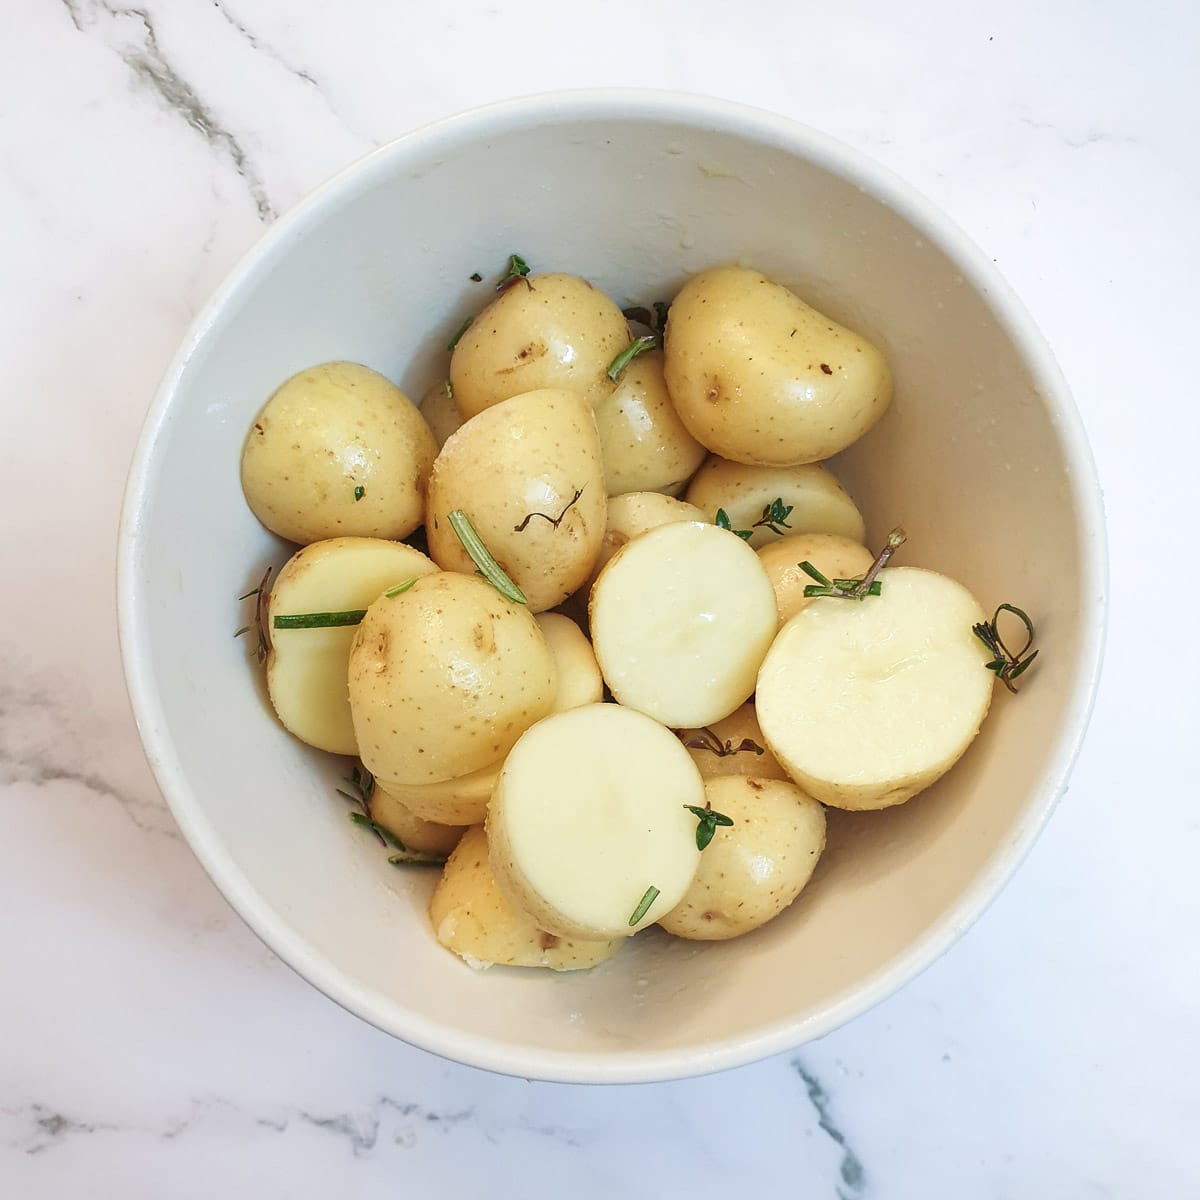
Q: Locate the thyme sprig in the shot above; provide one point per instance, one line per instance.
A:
(708, 822)
(362, 785)
(707, 739)
(774, 517)
(262, 600)
(517, 268)
(854, 589)
(1007, 665)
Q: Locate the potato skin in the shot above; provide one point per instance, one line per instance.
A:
(635, 513)
(338, 450)
(440, 412)
(444, 678)
(752, 870)
(534, 454)
(425, 837)
(646, 446)
(456, 802)
(758, 376)
(835, 557)
(474, 919)
(553, 331)
(741, 725)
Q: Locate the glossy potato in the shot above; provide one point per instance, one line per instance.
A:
(552, 331)
(753, 869)
(758, 376)
(415, 833)
(579, 680)
(440, 412)
(338, 450)
(645, 445)
(444, 678)
(528, 474)
(458, 801)
(835, 557)
(635, 513)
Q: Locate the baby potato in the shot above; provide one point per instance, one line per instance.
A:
(635, 513)
(645, 445)
(579, 680)
(867, 702)
(338, 450)
(758, 376)
(472, 917)
(444, 678)
(681, 618)
(550, 331)
(306, 668)
(416, 833)
(462, 800)
(528, 474)
(753, 869)
(721, 748)
(818, 502)
(440, 412)
(835, 557)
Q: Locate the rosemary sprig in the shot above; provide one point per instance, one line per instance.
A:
(458, 336)
(708, 822)
(488, 567)
(363, 784)
(517, 268)
(707, 740)
(1007, 665)
(643, 907)
(333, 620)
(655, 322)
(854, 589)
(262, 595)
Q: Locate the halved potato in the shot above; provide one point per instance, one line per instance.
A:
(425, 837)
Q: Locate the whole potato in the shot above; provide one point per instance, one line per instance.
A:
(415, 833)
(645, 445)
(733, 745)
(549, 331)
(835, 557)
(818, 502)
(471, 916)
(444, 678)
(528, 474)
(753, 869)
(440, 412)
(758, 376)
(338, 450)
(579, 679)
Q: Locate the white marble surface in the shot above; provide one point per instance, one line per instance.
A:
(150, 1046)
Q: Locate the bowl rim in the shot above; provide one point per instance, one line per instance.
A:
(697, 112)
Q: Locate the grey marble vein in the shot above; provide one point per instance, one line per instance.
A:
(852, 1174)
(145, 58)
(256, 43)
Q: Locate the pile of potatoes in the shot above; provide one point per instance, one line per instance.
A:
(647, 726)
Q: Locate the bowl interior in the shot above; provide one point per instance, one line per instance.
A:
(980, 459)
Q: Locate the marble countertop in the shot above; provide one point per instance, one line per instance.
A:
(151, 1046)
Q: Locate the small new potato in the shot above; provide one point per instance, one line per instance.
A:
(733, 745)
(758, 376)
(818, 502)
(444, 678)
(645, 445)
(458, 801)
(416, 833)
(579, 679)
(440, 412)
(635, 513)
(307, 668)
(865, 703)
(528, 474)
(472, 917)
(550, 331)
(835, 557)
(753, 869)
(338, 450)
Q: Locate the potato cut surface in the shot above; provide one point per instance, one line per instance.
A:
(681, 618)
(588, 814)
(867, 702)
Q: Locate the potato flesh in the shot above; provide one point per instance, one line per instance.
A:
(866, 703)
(444, 678)
(818, 502)
(750, 871)
(416, 833)
(680, 620)
(307, 668)
(528, 474)
(338, 450)
(588, 814)
(758, 376)
(579, 679)
(645, 445)
(715, 748)
(556, 331)
(474, 919)
(835, 557)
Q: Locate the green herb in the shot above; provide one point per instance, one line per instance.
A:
(1007, 665)
(708, 740)
(400, 588)
(413, 859)
(319, 620)
(723, 522)
(854, 589)
(359, 493)
(489, 568)
(775, 516)
(655, 321)
(384, 834)
(648, 898)
(262, 595)
(517, 268)
(475, 277)
(363, 783)
(458, 336)
(709, 821)
(639, 345)
(555, 522)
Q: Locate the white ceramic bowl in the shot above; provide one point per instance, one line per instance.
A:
(982, 458)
